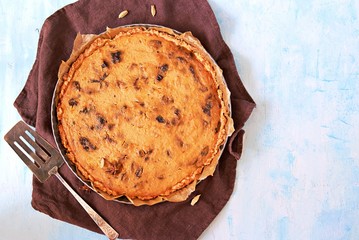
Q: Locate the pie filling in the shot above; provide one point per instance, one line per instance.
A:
(144, 113)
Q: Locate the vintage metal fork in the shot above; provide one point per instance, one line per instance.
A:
(44, 160)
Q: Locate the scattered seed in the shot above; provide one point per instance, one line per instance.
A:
(123, 14)
(195, 200)
(102, 162)
(153, 10)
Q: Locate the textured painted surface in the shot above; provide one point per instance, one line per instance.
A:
(298, 177)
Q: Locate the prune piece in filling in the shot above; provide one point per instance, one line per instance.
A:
(109, 139)
(86, 144)
(142, 153)
(194, 74)
(136, 84)
(110, 126)
(205, 123)
(164, 67)
(167, 99)
(169, 154)
(203, 88)
(124, 177)
(96, 81)
(181, 59)
(174, 121)
(104, 76)
(116, 57)
(160, 119)
(177, 111)
(101, 120)
(207, 108)
(85, 110)
(163, 70)
(104, 64)
(159, 77)
(114, 168)
(120, 84)
(180, 142)
(205, 151)
(216, 130)
(73, 102)
(155, 43)
(139, 172)
(76, 85)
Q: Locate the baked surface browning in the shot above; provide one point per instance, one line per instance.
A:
(141, 114)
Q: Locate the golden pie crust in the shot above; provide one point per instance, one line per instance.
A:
(143, 112)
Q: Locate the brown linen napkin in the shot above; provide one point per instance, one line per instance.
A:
(164, 220)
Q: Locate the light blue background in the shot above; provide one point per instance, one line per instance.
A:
(298, 177)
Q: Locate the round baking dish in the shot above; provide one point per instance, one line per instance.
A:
(55, 123)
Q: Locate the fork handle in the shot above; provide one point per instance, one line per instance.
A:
(103, 225)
